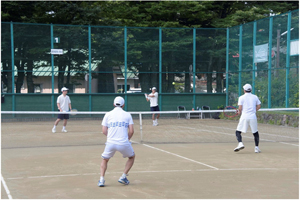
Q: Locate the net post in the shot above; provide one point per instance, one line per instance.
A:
(141, 126)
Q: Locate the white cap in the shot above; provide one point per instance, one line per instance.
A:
(64, 88)
(247, 87)
(154, 88)
(119, 101)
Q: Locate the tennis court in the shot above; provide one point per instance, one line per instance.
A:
(180, 158)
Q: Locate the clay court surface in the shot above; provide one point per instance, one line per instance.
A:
(179, 159)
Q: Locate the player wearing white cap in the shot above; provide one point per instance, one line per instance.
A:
(117, 125)
(248, 105)
(153, 98)
(63, 105)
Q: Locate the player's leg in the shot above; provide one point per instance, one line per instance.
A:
(157, 109)
(242, 127)
(153, 115)
(103, 168)
(59, 117)
(66, 117)
(109, 151)
(253, 126)
(127, 151)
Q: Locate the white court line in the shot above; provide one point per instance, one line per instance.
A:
(260, 132)
(233, 135)
(181, 156)
(5, 187)
(157, 171)
(289, 144)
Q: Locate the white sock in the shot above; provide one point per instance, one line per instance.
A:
(64, 127)
(54, 127)
(153, 121)
(124, 175)
(101, 178)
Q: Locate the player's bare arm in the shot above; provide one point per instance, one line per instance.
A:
(104, 130)
(258, 107)
(59, 108)
(130, 131)
(240, 109)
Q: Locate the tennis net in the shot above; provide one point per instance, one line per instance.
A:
(25, 129)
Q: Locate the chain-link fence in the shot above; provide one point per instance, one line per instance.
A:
(189, 66)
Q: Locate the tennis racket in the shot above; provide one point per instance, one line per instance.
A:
(230, 111)
(73, 110)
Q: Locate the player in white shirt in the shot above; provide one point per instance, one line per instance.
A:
(248, 105)
(63, 105)
(117, 125)
(153, 98)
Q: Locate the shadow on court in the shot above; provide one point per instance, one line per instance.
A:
(187, 159)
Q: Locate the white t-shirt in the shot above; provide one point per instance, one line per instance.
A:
(117, 122)
(64, 102)
(153, 100)
(249, 102)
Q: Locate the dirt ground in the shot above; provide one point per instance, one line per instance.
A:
(187, 159)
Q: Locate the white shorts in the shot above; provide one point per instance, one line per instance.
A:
(110, 150)
(244, 124)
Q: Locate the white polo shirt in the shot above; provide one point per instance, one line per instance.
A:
(249, 102)
(153, 100)
(117, 122)
(64, 102)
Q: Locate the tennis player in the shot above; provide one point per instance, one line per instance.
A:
(63, 105)
(248, 105)
(153, 98)
(117, 125)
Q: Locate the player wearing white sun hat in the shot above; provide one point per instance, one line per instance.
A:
(63, 105)
(248, 105)
(117, 125)
(153, 98)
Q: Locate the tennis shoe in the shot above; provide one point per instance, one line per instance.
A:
(53, 130)
(64, 130)
(257, 150)
(124, 180)
(101, 183)
(239, 147)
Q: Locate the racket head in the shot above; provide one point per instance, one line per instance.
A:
(73, 110)
(230, 111)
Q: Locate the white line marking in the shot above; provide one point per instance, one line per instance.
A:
(289, 144)
(181, 156)
(158, 171)
(274, 135)
(243, 135)
(5, 187)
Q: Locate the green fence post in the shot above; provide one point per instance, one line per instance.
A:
(253, 61)
(287, 86)
(227, 66)
(90, 69)
(125, 65)
(52, 69)
(194, 68)
(160, 66)
(240, 58)
(12, 67)
(270, 61)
